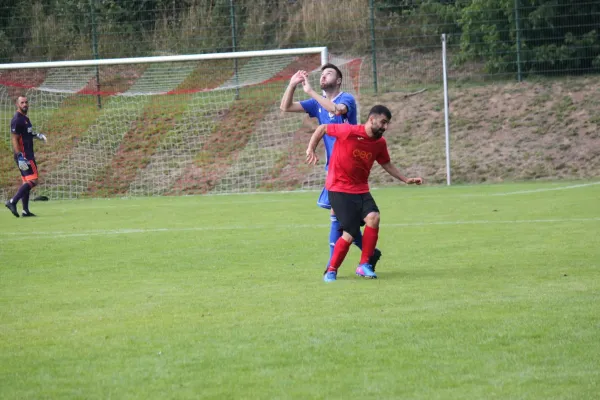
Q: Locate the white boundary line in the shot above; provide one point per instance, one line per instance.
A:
(415, 194)
(121, 202)
(62, 234)
(546, 189)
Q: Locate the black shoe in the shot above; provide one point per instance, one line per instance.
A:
(375, 258)
(27, 214)
(12, 207)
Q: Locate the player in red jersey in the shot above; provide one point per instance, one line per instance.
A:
(356, 149)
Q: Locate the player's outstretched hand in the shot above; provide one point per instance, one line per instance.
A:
(306, 84)
(297, 78)
(23, 163)
(416, 181)
(41, 136)
(311, 157)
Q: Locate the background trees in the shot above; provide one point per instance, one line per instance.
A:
(546, 36)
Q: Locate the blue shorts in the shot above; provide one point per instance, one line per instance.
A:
(323, 201)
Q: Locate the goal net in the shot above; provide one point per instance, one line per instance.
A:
(168, 125)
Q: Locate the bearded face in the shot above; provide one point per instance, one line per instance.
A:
(329, 79)
(23, 105)
(379, 124)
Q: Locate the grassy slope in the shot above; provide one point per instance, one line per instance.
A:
(545, 129)
(514, 131)
(223, 151)
(156, 122)
(502, 131)
(228, 137)
(138, 144)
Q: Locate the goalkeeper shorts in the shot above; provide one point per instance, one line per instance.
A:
(29, 174)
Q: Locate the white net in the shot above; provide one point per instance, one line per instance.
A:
(166, 128)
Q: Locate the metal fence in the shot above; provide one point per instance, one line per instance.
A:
(400, 39)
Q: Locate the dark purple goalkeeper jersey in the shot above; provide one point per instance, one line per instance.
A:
(20, 125)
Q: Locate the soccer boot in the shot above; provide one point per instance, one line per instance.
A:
(12, 207)
(366, 271)
(330, 276)
(375, 258)
(25, 214)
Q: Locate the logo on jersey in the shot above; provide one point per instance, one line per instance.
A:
(363, 155)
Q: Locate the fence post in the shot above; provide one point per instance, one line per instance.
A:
(373, 48)
(234, 48)
(518, 29)
(95, 51)
(446, 110)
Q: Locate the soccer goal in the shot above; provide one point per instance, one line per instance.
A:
(167, 125)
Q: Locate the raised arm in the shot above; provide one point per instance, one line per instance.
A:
(311, 157)
(286, 101)
(393, 171)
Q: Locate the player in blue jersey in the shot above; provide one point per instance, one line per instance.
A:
(331, 107)
(21, 137)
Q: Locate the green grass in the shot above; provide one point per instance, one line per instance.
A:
(484, 292)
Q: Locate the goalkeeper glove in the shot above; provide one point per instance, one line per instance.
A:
(40, 136)
(22, 161)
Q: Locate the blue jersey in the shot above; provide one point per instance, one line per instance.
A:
(21, 126)
(315, 110)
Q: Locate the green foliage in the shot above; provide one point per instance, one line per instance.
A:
(422, 22)
(481, 34)
(556, 35)
(6, 47)
(551, 36)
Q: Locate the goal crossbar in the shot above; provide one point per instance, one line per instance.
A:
(154, 59)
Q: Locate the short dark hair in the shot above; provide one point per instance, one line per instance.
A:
(381, 110)
(332, 66)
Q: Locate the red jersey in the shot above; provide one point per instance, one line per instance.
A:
(354, 153)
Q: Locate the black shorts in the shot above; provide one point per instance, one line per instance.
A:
(351, 209)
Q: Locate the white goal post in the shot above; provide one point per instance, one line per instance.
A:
(159, 59)
(167, 125)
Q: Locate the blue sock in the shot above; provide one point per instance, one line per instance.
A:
(334, 234)
(358, 240)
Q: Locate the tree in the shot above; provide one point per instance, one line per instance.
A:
(555, 35)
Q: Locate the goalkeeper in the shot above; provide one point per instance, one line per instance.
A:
(333, 107)
(21, 137)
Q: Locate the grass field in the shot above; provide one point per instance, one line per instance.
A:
(484, 292)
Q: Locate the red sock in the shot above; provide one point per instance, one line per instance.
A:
(339, 253)
(370, 236)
